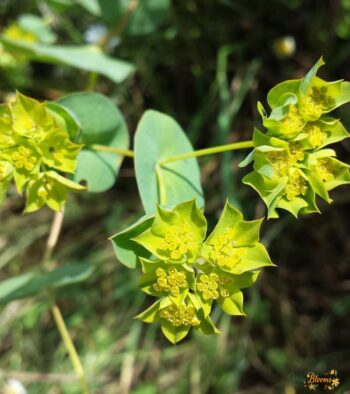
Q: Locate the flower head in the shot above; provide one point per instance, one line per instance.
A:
(176, 236)
(33, 148)
(287, 173)
(190, 281)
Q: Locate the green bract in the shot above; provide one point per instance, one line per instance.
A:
(176, 236)
(33, 148)
(290, 166)
(187, 273)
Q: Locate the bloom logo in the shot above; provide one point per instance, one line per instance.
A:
(328, 381)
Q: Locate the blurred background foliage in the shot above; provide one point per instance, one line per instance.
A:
(206, 63)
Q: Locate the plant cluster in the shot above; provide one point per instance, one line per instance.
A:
(35, 149)
(184, 268)
(290, 165)
(188, 272)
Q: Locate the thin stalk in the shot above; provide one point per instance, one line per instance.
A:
(112, 149)
(92, 81)
(68, 343)
(55, 230)
(209, 151)
(52, 239)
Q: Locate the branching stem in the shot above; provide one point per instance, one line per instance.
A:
(112, 149)
(209, 151)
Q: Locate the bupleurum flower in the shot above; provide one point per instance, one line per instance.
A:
(286, 173)
(33, 147)
(162, 279)
(188, 283)
(176, 236)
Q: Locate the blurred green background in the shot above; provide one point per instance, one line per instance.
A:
(206, 63)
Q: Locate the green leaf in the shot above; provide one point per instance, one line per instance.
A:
(253, 258)
(64, 119)
(282, 92)
(88, 58)
(229, 216)
(30, 284)
(15, 288)
(232, 305)
(37, 26)
(172, 333)
(269, 190)
(159, 137)
(49, 188)
(66, 275)
(245, 280)
(127, 250)
(207, 327)
(308, 79)
(101, 123)
(150, 315)
(242, 232)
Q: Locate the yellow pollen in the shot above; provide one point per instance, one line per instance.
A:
(280, 163)
(325, 170)
(295, 187)
(224, 252)
(224, 293)
(183, 315)
(23, 158)
(209, 286)
(315, 102)
(292, 123)
(296, 152)
(316, 136)
(170, 281)
(42, 192)
(177, 241)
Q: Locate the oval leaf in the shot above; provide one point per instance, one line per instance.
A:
(158, 137)
(101, 123)
(126, 249)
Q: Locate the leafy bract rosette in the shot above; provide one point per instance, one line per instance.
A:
(176, 236)
(34, 151)
(188, 273)
(286, 171)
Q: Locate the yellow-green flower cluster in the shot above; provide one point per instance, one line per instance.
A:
(291, 165)
(187, 273)
(34, 150)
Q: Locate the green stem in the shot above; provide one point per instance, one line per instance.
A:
(92, 81)
(68, 343)
(112, 149)
(209, 151)
(55, 230)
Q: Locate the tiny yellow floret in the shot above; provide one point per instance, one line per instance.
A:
(183, 315)
(177, 241)
(224, 253)
(316, 136)
(24, 159)
(170, 281)
(292, 123)
(325, 170)
(296, 186)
